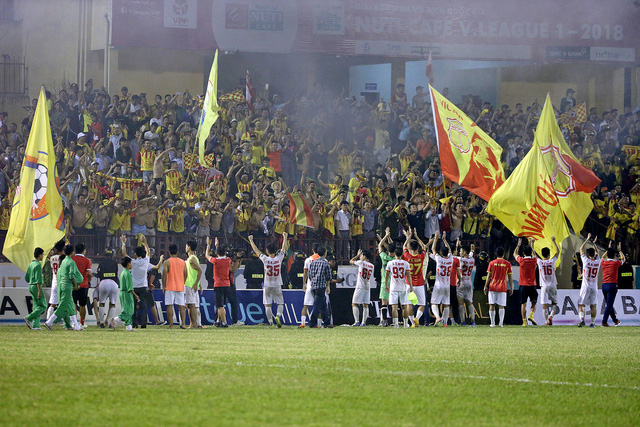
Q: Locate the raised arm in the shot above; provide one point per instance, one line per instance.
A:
(355, 258)
(620, 253)
(555, 244)
(420, 242)
(253, 246)
(435, 242)
(515, 251)
(123, 239)
(285, 242)
(381, 243)
(584, 244)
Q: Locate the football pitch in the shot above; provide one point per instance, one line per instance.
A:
(342, 376)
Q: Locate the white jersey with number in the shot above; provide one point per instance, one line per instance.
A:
(547, 269)
(399, 270)
(365, 274)
(443, 270)
(466, 268)
(272, 270)
(54, 261)
(590, 268)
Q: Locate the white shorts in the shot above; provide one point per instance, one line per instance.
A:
(465, 291)
(173, 297)
(398, 297)
(107, 291)
(53, 298)
(588, 296)
(361, 296)
(271, 294)
(441, 295)
(549, 295)
(499, 298)
(419, 291)
(308, 297)
(191, 296)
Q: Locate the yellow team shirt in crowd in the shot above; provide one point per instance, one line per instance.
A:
(405, 161)
(117, 221)
(268, 171)
(177, 220)
(356, 225)
(147, 157)
(242, 220)
(344, 165)
(245, 188)
(334, 190)
(190, 198)
(162, 222)
(5, 215)
(328, 221)
(257, 153)
(173, 181)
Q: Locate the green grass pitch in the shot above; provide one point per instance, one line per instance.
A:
(464, 376)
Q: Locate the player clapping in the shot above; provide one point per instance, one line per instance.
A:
(441, 290)
(361, 295)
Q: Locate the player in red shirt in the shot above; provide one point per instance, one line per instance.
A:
(496, 285)
(81, 295)
(414, 253)
(527, 280)
(610, 267)
(221, 282)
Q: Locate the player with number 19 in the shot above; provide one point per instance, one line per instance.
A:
(272, 290)
(589, 288)
(362, 294)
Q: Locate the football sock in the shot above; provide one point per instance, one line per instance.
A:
(50, 311)
(492, 316)
(436, 312)
(593, 317)
(74, 322)
(411, 319)
(531, 313)
(581, 314)
(269, 315)
(279, 310)
(365, 315)
(356, 314)
(419, 315)
(51, 319)
(395, 321)
(462, 315)
(501, 313)
(320, 322)
(303, 320)
(553, 310)
(445, 314)
(472, 313)
(405, 322)
(199, 316)
(383, 313)
(102, 311)
(545, 313)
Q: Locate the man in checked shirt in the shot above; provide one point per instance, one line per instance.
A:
(320, 278)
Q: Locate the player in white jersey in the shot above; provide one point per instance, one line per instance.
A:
(272, 289)
(54, 262)
(589, 289)
(464, 290)
(306, 285)
(548, 281)
(361, 296)
(441, 289)
(398, 271)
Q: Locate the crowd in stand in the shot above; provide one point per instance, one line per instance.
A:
(128, 165)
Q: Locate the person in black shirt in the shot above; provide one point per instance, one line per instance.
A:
(576, 272)
(625, 275)
(254, 272)
(296, 271)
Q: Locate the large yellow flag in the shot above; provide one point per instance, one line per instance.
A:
(37, 217)
(572, 182)
(527, 203)
(209, 109)
(468, 155)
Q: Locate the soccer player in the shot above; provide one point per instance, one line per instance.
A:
(272, 291)
(68, 279)
(496, 286)
(174, 274)
(384, 249)
(398, 271)
(548, 281)
(306, 285)
(444, 270)
(221, 283)
(464, 290)
(527, 281)
(54, 261)
(362, 294)
(127, 296)
(589, 288)
(33, 277)
(192, 283)
(107, 273)
(81, 295)
(610, 267)
(414, 253)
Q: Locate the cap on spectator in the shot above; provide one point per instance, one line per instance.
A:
(81, 134)
(89, 82)
(570, 91)
(124, 88)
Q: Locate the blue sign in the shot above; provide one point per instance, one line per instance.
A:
(371, 86)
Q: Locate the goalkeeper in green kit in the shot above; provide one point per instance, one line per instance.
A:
(34, 279)
(68, 277)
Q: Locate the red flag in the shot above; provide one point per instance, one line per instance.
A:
(429, 71)
(249, 91)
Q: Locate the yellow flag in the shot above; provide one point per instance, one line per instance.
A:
(209, 109)
(573, 183)
(468, 155)
(37, 217)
